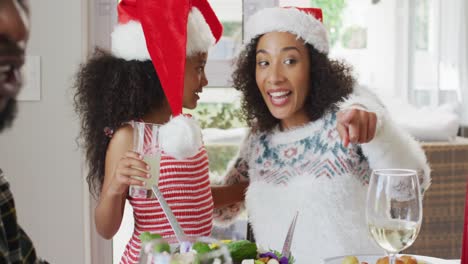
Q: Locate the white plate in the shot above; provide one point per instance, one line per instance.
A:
(372, 259)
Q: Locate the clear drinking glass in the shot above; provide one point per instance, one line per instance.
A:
(197, 250)
(146, 142)
(394, 209)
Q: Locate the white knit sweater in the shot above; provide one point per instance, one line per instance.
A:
(307, 169)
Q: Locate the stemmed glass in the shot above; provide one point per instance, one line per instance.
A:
(146, 142)
(394, 209)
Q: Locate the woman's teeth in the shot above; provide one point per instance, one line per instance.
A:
(279, 94)
(279, 98)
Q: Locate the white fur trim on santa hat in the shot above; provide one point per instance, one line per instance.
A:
(199, 35)
(128, 40)
(277, 19)
(181, 137)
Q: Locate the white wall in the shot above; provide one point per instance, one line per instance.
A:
(39, 154)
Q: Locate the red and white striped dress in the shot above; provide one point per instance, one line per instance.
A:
(186, 187)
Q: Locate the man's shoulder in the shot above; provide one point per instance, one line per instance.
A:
(5, 193)
(3, 180)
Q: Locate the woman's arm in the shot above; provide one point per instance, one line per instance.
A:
(229, 194)
(392, 147)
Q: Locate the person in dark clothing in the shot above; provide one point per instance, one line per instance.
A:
(15, 245)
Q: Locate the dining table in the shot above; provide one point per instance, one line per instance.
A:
(371, 259)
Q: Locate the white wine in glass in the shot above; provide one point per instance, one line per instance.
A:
(146, 142)
(154, 161)
(394, 209)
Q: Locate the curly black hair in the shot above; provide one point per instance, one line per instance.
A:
(330, 81)
(108, 92)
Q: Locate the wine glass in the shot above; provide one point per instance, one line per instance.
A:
(201, 250)
(394, 209)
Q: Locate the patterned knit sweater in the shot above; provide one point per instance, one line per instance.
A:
(307, 169)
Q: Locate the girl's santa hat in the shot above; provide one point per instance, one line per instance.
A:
(166, 32)
(305, 23)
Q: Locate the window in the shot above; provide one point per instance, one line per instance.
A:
(220, 57)
(362, 34)
(433, 63)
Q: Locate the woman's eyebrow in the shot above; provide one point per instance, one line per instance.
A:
(282, 50)
(290, 48)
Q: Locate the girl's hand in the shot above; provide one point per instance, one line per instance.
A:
(131, 164)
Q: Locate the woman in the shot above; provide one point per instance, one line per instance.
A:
(293, 159)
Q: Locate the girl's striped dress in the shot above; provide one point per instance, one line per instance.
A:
(186, 187)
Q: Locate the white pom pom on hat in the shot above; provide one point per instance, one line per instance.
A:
(181, 137)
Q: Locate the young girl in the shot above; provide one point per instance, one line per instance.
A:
(150, 75)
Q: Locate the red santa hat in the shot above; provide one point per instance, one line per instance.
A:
(305, 23)
(166, 32)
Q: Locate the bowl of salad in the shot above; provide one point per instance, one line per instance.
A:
(193, 250)
(205, 250)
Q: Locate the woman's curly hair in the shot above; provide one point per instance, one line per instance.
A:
(330, 82)
(108, 92)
